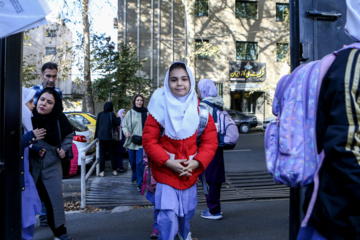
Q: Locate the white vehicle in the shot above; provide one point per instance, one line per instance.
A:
(267, 121)
(83, 137)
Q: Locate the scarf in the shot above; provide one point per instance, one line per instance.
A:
(119, 113)
(26, 114)
(177, 115)
(207, 88)
(49, 121)
(143, 110)
(353, 19)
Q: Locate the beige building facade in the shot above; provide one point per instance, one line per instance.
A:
(50, 43)
(252, 36)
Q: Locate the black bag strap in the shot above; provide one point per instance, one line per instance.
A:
(58, 124)
(131, 121)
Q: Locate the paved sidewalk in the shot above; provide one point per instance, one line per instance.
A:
(258, 220)
(243, 220)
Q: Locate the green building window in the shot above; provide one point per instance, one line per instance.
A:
(246, 9)
(202, 8)
(247, 51)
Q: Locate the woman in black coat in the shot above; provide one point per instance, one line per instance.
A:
(106, 124)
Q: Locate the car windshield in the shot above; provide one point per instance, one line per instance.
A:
(78, 126)
(93, 116)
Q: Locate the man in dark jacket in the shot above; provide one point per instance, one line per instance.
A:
(106, 124)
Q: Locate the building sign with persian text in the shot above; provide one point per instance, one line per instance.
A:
(247, 71)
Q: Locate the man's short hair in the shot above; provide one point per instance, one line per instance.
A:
(49, 65)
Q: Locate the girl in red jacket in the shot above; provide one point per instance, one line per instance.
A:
(169, 139)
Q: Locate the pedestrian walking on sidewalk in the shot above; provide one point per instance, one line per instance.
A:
(132, 127)
(176, 161)
(106, 124)
(215, 172)
(119, 149)
(47, 170)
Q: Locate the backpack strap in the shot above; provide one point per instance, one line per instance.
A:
(204, 118)
(214, 115)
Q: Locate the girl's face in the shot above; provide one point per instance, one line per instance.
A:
(139, 102)
(45, 103)
(123, 114)
(179, 82)
(30, 104)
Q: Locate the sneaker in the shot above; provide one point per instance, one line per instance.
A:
(138, 189)
(133, 180)
(101, 174)
(115, 173)
(121, 170)
(154, 234)
(204, 212)
(63, 237)
(208, 215)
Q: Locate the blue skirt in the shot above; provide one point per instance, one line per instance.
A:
(179, 201)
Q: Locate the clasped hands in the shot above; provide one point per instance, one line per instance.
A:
(178, 166)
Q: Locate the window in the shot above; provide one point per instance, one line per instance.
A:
(220, 88)
(281, 51)
(51, 33)
(80, 119)
(198, 44)
(247, 51)
(246, 9)
(282, 12)
(201, 8)
(50, 50)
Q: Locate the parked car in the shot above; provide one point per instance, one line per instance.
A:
(243, 121)
(83, 137)
(85, 118)
(267, 121)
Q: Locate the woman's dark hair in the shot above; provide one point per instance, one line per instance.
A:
(58, 106)
(177, 65)
(136, 96)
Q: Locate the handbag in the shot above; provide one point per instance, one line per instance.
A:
(135, 138)
(68, 154)
(114, 133)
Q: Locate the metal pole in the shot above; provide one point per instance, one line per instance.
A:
(294, 211)
(125, 21)
(172, 31)
(158, 46)
(185, 39)
(83, 181)
(138, 31)
(152, 42)
(97, 158)
(10, 136)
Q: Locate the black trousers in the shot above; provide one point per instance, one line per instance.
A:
(44, 196)
(107, 146)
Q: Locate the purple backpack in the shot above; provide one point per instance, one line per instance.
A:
(290, 140)
(228, 132)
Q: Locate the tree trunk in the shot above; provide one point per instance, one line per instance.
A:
(87, 76)
(190, 30)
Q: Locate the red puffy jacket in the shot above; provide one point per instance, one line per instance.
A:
(157, 149)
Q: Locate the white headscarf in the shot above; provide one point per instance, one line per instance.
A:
(27, 95)
(120, 115)
(177, 115)
(352, 25)
(207, 88)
